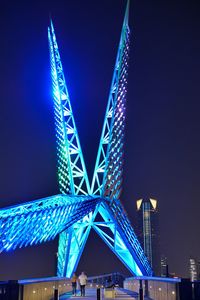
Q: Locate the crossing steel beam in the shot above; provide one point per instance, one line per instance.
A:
(73, 213)
(42, 220)
(107, 178)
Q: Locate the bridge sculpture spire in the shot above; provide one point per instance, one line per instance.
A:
(72, 174)
(81, 207)
(107, 178)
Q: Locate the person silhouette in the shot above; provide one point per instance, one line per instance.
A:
(82, 280)
(73, 282)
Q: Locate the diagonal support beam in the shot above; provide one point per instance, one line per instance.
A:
(72, 243)
(107, 178)
(116, 231)
(72, 174)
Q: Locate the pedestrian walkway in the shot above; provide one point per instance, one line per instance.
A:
(122, 294)
(91, 294)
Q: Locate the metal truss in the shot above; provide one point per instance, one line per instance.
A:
(110, 232)
(107, 178)
(72, 214)
(72, 175)
(42, 220)
(71, 245)
(131, 241)
(107, 181)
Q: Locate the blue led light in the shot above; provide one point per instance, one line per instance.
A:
(107, 178)
(72, 214)
(42, 220)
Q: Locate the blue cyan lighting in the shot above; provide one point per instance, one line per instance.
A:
(74, 213)
(42, 220)
(107, 178)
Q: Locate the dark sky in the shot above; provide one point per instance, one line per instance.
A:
(163, 124)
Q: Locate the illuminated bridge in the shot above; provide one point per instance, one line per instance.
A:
(81, 205)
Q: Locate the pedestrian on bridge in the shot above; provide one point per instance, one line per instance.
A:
(83, 280)
(74, 282)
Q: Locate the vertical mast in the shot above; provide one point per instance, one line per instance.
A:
(72, 174)
(107, 178)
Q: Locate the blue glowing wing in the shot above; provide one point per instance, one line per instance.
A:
(41, 220)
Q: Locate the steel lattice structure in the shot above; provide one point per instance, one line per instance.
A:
(42, 220)
(72, 175)
(107, 178)
(81, 207)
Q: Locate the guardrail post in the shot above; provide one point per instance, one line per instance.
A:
(141, 296)
(56, 294)
(98, 294)
(146, 288)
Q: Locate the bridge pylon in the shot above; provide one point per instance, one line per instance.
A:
(80, 206)
(108, 171)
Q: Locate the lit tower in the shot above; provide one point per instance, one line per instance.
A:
(81, 206)
(164, 266)
(193, 269)
(147, 210)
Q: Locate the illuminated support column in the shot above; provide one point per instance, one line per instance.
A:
(71, 245)
(72, 214)
(72, 174)
(116, 231)
(108, 172)
(107, 178)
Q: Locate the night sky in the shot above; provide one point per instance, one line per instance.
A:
(162, 133)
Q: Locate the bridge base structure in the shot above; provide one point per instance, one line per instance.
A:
(111, 223)
(72, 217)
(162, 288)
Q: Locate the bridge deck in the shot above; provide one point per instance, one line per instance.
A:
(91, 294)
